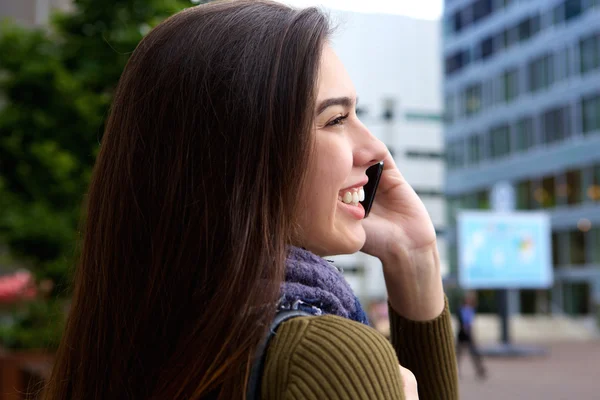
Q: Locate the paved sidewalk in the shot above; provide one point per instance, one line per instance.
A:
(535, 329)
(570, 371)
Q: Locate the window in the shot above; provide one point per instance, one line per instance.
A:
(468, 201)
(593, 190)
(573, 9)
(541, 73)
(448, 26)
(545, 195)
(563, 63)
(428, 192)
(590, 110)
(473, 99)
(577, 298)
(577, 247)
(453, 206)
(510, 83)
(558, 14)
(456, 61)
(555, 123)
(555, 249)
(502, 40)
(423, 116)
(525, 195)
(491, 95)
(595, 236)
(524, 134)
(389, 107)
(512, 36)
(535, 23)
(474, 149)
(561, 238)
(589, 53)
(573, 187)
(487, 47)
(525, 30)
(455, 154)
(499, 141)
(424, 154)
(449, 108)
(457, 21)
(481, 9)
(482, 199)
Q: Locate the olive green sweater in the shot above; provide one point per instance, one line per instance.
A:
(329, 357)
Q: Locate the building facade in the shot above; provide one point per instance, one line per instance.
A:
(522, 105)
(395, 66)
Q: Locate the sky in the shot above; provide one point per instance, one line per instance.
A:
(423, 9)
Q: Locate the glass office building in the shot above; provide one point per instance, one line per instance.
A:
(522, 102)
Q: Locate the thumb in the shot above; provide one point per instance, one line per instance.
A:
(410, 384)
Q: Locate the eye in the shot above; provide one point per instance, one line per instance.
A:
(338, 121)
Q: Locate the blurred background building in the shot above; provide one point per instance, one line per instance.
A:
(522, 101)
(31, 12)
(394, 62)
(520, 80)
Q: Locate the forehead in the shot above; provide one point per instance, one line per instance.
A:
(334, 80)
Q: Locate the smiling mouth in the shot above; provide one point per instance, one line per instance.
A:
(352, 196)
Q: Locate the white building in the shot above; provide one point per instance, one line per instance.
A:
(31, 12)
(394, 62)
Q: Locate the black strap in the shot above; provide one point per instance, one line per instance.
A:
(255, 378)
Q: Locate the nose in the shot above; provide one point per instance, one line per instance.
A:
(368, 148)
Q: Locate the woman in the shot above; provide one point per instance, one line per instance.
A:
(231, 140)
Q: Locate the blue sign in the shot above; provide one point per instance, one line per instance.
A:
(504, 250)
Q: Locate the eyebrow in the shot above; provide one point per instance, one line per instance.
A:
(346, 102)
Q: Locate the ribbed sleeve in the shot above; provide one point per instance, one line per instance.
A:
(329, 357)
(427, 349)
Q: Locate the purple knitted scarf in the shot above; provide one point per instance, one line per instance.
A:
(315, 285)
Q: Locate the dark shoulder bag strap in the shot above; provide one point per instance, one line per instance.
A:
(256, 373)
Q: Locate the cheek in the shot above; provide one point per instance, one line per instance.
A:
(332, 163)
(330, 170)
(320, 197)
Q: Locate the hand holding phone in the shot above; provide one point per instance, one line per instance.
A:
(374, 174)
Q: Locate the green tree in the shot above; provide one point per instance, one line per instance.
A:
(56, 85)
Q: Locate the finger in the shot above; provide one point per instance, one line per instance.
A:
(410, 384)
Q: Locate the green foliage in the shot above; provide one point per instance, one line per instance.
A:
(36, 325)
(56, 85)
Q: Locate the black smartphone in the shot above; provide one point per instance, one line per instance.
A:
(374, 174)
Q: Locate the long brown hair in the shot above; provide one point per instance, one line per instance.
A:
(192, 204)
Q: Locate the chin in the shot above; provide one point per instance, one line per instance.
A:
(345, 242)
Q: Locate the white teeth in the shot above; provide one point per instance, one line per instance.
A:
(353, 197)
(347, 198)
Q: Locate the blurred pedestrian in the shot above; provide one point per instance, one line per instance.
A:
(466, 336)
(233, 161)
(379, 317)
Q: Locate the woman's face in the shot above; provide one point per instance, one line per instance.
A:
(331, 217)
